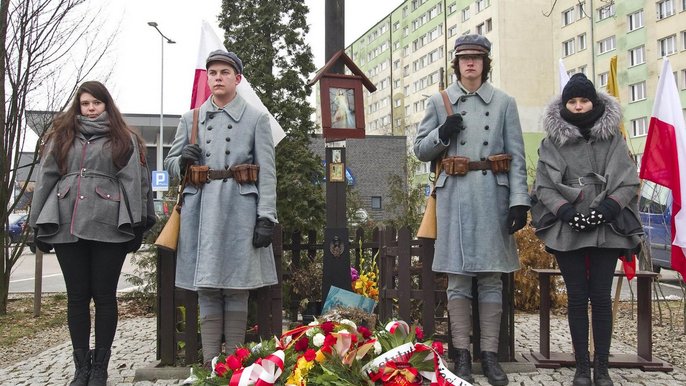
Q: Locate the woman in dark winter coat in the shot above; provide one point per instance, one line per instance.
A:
(92, 202)
(585, 211)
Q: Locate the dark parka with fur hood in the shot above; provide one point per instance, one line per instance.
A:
(572, 169)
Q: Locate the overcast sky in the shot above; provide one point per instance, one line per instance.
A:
(135, 83)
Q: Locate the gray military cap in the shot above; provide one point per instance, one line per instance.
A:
(472, 45)
(227, 57)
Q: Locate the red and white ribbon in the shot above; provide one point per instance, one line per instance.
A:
(264, 372)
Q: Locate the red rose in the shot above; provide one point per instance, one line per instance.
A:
(366, 334)
(438, 347)
(329, 340)
(328, 327)
(419, 333)
(221, 369)
(242, 353)
(234, 362)
(310, 355)
(302, 344)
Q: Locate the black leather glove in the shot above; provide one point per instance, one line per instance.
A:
(451, 126)
(264, 231)
(134, 244)
(190, 154)
(579, 223)
(607, 210)
(42, 245)
(516, 218)
(566, 212)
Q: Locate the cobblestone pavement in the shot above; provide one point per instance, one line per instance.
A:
(134, 348)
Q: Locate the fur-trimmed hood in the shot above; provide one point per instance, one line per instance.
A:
(561, 131)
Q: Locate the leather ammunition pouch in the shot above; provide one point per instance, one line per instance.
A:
(460, 166)
(243, 174)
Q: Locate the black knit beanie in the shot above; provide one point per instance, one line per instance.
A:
(579, 86)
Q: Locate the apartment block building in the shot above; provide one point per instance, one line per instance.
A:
(407, 55)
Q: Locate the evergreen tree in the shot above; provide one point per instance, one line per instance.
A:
(269, 37)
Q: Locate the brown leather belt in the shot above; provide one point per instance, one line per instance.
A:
(219, 174)
(479, 165)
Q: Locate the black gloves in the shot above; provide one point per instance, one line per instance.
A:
(566, 212)
(134, 244)
(516, 218)
(579, 223)
(607, 210)
(190, 154)
(451, 126)
(264, 230)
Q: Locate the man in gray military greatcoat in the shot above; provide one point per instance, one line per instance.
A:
(481, 197)
(227, 221)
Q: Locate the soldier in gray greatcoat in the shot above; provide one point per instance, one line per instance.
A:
(226, 223)
(481, 197)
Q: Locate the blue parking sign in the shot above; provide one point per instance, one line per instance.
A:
(160, 181)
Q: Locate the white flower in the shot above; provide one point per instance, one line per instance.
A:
(318, 340)
(349, 323)
(377, 348)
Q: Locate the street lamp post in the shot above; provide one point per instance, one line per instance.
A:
(160, 149)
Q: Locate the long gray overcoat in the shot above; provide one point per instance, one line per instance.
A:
(93, 200)
(471, 210)
(217, 221)
(564, 157)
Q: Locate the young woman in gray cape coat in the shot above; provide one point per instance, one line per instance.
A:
(585, 211)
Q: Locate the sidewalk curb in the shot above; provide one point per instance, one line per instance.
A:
(153, 372)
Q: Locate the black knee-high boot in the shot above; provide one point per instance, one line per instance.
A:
(98, 375)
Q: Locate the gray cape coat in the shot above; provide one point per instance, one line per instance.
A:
(217, 221)
(94, 200)
(564, 156)
(471, 210)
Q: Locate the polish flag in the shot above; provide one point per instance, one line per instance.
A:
(209, 41)
(564, 76)
(664, 157)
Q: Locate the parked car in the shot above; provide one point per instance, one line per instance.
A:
(655, 207)
(17, 222)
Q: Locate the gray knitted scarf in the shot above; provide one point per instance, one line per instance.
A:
(99, 125)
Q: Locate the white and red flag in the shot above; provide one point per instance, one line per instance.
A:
(209, 41)
(664, 157)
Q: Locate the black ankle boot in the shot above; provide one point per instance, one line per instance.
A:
(492, 370)
(582, 377)
(82, 363)
(463, 365)
(601, 377)
(98, 376)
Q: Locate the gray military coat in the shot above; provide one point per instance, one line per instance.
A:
(217, 221)
(471, 210)
(94, 200)
(565, 166)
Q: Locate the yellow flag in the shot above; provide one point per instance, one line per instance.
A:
(613, 87)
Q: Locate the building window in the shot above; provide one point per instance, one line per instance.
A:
(568, 48)
(606, 11)
(465, 14)
(582, 69)
(602, 79)
(581, 40)
(683, 39)
(481, 5)
(637, 91)
(664, 9)
(667, 45)
(452, 8)
(581, 9)
(376, 202)
(567, 17)
(607, 44)
(635, 20)
(637, 56)
(639, 127)
(452, 31)
(683, 78)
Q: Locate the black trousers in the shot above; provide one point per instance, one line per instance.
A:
(91, 270)
(588, 274)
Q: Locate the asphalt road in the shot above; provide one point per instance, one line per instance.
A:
(23, 274)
